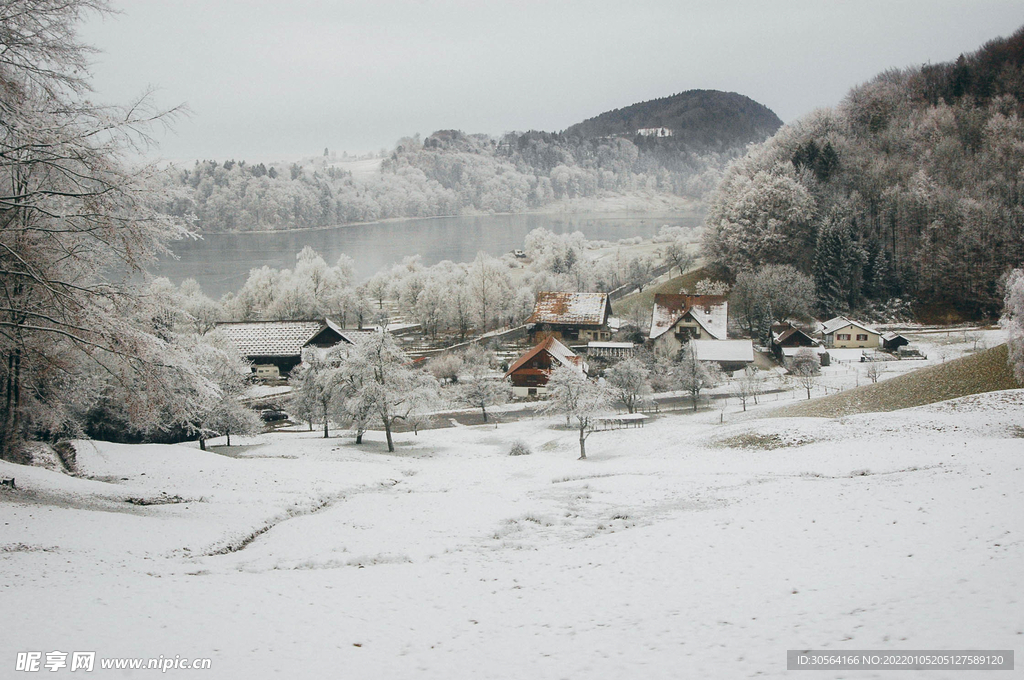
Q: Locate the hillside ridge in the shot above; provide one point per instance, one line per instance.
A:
(985, 371)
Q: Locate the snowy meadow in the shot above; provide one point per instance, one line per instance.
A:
(687, 548)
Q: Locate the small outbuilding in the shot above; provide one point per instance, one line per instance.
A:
(787, 336)
(530, 372)
(730, 355)
(892, 341)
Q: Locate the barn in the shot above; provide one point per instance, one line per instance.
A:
(275, 347)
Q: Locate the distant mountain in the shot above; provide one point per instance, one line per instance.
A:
(697, 120)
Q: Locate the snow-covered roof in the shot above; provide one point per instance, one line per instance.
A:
(723, 350)
(833, 325)
(792, 351)
(892, 335)
(270, 338)
(353, 336)
(848, 354)
(586, 309)
(711, 312)
(610, 345)
(557, 350)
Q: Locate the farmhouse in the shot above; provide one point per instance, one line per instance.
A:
(530, 372)
(679, 318)
(841, 333)
(578, 317)
(275, 347)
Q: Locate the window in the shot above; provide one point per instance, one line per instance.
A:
(842, 336)
(531, 392)
(862, 337)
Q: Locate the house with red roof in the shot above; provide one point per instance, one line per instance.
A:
(530, 372)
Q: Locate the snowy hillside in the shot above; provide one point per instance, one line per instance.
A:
(683, 549)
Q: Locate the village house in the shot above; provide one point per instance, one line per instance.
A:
(579, 317)
(655, 132)
(677, 319)
(842, 333)
(274, 348)
(530, 372)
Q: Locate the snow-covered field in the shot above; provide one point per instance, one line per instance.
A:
(684, 549)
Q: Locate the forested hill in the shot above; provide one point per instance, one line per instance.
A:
(699, 120)
(453, 173)
(912, 187)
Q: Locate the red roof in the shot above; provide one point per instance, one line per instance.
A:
(552, 346)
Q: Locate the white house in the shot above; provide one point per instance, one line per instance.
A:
(841, 332)
(678, 319)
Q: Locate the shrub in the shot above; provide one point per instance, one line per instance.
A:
(519, 448)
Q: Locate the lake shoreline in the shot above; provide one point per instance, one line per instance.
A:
(570, 207)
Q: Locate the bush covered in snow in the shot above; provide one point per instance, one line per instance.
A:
(519, 448)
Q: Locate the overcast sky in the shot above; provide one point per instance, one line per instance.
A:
(284, 79)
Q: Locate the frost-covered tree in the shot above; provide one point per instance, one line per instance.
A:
(378, 288)
(203, 312)
(73, 209)
(1013, 321)
(629, 382)
(381, 385)
(577, 397)
(711, 287)
(445, 367)
(477, 387)
(874, 371)
(490, 288)
(749, 385)
(639, 271)
(757, 217)
(805, 367)
(221, 411)
(678, 255)
(781, 290)
(693, 375)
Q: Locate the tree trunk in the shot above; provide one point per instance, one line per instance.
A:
(202, 443)
(484, 409)
(359, 438)
(387, 432)
(583, 443)
(325, 428)
(229, 437)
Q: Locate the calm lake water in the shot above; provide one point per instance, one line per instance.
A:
(221, 262)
